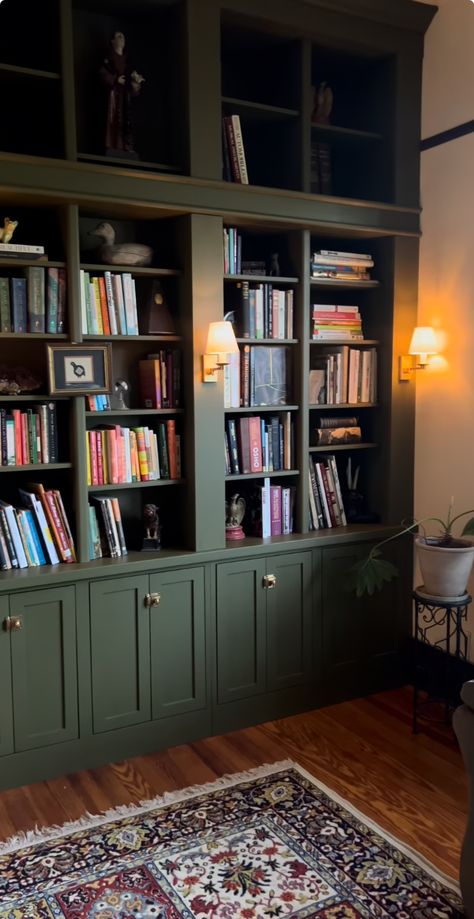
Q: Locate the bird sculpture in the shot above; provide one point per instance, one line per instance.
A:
(112, 253)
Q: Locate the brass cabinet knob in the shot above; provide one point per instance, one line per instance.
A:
(269, 581)
(152, 599)
(13, 624)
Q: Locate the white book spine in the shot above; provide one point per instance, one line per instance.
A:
(15, 535)
(266, 510)
(239, 146)
(110, 302)
(322, 494)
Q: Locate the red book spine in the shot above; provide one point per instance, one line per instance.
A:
(255, 439)
(93, 453)
(275, 510)
(150, 385)
(61, 540)
(112, 457)
(18, 440)
(25, 447)
(103, 307)
(100, 459)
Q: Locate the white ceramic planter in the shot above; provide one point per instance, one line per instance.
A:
(445, 571)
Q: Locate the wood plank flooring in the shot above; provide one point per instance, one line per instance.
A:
(414, 787)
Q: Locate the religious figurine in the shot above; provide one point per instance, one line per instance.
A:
(123, 84)
(9, 227)
(323, 100)
(235, 510)
(121, 389)
(152, 538)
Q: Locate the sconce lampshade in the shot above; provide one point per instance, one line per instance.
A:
(221, 339)
(423, 342)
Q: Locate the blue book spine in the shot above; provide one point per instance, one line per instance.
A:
(19, 308)
(35, 537)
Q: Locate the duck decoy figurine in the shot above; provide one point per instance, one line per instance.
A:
(112, 253)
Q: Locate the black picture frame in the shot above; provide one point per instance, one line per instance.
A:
(79, 369)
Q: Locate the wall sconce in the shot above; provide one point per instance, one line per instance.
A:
(220, 343)
(422, 345)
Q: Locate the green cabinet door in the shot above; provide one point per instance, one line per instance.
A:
(44, 667)
(241, 617)
(289, 611)
(120, 652)
(6, 710)
(178, 648)
(361, 635)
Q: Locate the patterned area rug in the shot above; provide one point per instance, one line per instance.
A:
(272, 842)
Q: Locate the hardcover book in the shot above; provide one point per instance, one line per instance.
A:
(269, 374)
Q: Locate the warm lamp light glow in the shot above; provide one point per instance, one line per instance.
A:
(220, 343)
(423, 342)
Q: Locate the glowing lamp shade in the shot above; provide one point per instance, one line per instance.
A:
(423, 342)
(221, 339)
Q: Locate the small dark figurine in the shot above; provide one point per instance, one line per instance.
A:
(151, 521)
(274, 265)
(123, 84)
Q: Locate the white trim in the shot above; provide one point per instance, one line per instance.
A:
(38, 836)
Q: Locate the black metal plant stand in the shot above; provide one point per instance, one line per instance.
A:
(448, 615)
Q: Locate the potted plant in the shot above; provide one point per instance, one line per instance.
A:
(445, 560)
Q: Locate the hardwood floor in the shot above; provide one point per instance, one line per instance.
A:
(414, 787)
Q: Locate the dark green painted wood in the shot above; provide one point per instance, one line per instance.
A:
(178, 643)
(289, 613)
(120, 653)
(204, 89)
(361, 636)
(6, 706)
(44, 669)
(241, 625)
(67, 67)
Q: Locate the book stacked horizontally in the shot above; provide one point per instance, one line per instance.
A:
(38, 533)
(326, 505)
(34, 302)
(29, 437)
(334, 431)
(106, 534)
(333, 323)
(341, 266)
(235, 165)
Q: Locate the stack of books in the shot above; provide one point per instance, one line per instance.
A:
(335, 323)
(341, 266)
(38, 533)
(34, 302)
(117, 455)
(326, 506)
(29, 437)
(254, 445)
(106, 534)
(348, 375)
(235, 165)
(108, 304)
(337, 430)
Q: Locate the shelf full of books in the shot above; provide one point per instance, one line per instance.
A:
(259, 445)
(333, 264)
(29, 437)
(343, 376)
(259, 375)
(119, 455)
(33, 300)
(106, 532)
(326, 504)
(37, 531)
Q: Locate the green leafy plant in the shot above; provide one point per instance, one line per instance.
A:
(372, 572)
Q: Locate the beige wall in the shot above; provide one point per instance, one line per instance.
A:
(444, 457)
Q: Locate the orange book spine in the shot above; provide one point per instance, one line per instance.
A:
(142, 454)
(60, 539)
(134, 457)
(103, 307)
(93, 453)
(171, 439)
(25, 445)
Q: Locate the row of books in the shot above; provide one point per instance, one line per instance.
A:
(37, 533)
(332, 323)
(29, 437)
(326, 506)
(35, 302)
(270, 511)
(263, 310)
(254, 444)
(108, 304)
(341, 266)
(258, 375)
(160, 379)
(232, 242)
(235, 165)
(98, 403)
(346, 376)
(321, 168)
(106, 533)
(118, 455)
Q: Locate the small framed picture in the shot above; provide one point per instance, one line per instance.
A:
(80, 369)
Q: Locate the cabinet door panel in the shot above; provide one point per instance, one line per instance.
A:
(241, 605)
(6, 710)
(178, 652)
(289, 610)
(120, 653)
(44, 667)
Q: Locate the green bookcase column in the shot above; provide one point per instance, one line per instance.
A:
(204, 79)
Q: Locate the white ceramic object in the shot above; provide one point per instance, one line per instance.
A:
(445, 571)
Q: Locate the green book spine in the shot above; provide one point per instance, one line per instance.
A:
(163, 452)
(5, 317)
